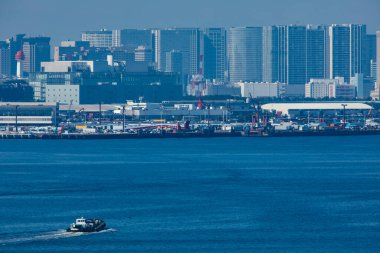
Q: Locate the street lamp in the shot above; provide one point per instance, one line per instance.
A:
(344, 115)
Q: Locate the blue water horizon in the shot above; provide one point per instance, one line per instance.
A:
(304, 194)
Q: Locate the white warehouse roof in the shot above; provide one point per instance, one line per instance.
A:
(285, 107)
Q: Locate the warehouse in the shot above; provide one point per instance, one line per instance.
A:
(293, 110)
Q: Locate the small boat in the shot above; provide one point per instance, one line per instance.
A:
(87, 225)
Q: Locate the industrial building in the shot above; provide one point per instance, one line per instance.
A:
(293, 110)
(18, 114)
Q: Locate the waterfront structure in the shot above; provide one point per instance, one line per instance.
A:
(17, 114)
(102, 38)
(245, 54)
(36, 50)
(185, 40)
(261, 89)
(293, 110)
(132, 38)
(71, 50)
(215, 54)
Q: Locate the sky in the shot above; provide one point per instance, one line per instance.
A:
(65, 19)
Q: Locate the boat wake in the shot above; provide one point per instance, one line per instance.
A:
(50, 236)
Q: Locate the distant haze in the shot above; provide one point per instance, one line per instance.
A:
(63, 20)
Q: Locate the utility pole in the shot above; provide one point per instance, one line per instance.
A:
(344, 115)
(17, 118)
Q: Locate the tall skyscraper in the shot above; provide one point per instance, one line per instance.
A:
(245, 54)
(358, 38)
(102, 38)
(5, 60)
(296, 55)
(185, 40)
(316, 48)
(347, 44)
(36, 50)
(215, 53)
(285, 54)
(132, 38)
(378, 59)
(370, 53)
(270, 54)
(339, 52)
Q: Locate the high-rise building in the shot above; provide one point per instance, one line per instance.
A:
(215, 53)
(370, 54)
(5, 60)
(270, 53)
(378, 59)
(132, 38)
(358, 39)
(245, 54)
(296, 55)
(347, 56)
(185, 40)
(285, 54)
(102, 38)
(36, 50)
(339, 50)
(8, 50)
(316, 48)
(173, 61)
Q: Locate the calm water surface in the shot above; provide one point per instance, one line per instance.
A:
(309, 194)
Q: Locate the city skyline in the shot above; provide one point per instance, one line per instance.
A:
(168, 13)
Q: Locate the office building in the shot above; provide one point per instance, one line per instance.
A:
(132, 38)
(261, 89)
(5, 60)
(102, 38)
(316, 48)
(71, 50)
(347, 55)
(36, 50)
(245, 54)
(358, 43)
(329, 88)
(143, 54)
(215, 53)
(370, 53)
(270, 54)
(174, 61)
(364, 85)
(296, 55)
(185, 40)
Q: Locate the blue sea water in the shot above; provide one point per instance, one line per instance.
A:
(306, 194)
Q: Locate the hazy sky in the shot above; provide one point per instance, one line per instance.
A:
(64, 19)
